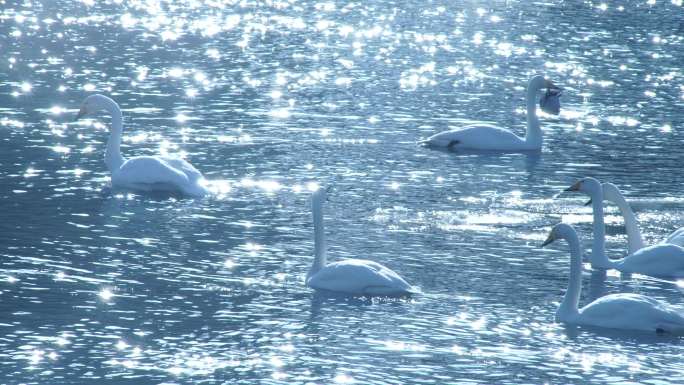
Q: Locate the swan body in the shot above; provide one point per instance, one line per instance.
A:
(491, 138)
(616, 311)
(481, 137)
(360, 277)
(350, 276)
(661, 260)
(634, 239)
(143, 173)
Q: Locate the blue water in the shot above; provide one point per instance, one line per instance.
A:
(106, 286)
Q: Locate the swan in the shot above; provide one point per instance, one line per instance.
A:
(349, 276)
(635, 241)
(661, 260)
(616, 311)
(492, 138)
(144, 173)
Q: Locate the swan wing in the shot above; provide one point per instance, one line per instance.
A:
(148, 170)
(359, 277)
(478, 137)
(152, 173)
(631, 312)
(183, 166)
(664, 260)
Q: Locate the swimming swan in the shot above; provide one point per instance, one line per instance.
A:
(634, 239)
(488, 137)
(145, 173)
(661, 260)
(616, 311)
(349, 276)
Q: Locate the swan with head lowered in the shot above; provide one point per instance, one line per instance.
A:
(616, 311)
(491, 138)
(142, 173)
(661, 260)
(635, 241)
(349, 276)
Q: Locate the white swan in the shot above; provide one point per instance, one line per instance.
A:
(634, 239)
(661, 260)
(492, 138)
(616, 311)
(145, 173)
(350, 276)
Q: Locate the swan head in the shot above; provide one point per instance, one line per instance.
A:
(611, 193)
(559, 231)
(94, 103)
(537, 82)
(589, 186)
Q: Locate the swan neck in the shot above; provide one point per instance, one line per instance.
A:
(569, 306)
(533, 136)
(634, 238)
(598, 250)
(319, 236)
(113, 157)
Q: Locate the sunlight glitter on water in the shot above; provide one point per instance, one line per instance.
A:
(106, 294)
(274, 100)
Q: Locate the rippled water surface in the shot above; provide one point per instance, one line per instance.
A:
(266, 98)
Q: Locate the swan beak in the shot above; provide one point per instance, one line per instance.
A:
(80, 114)
(548, 240)
(575, 186)
(588, 203)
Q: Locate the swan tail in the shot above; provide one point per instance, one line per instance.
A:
(447, 139)
(431, 142)
(196, 190)
(413, 290)
(670, 328)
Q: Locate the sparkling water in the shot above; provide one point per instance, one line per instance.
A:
(266, 98)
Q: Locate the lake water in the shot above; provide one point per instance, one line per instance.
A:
(265, 98)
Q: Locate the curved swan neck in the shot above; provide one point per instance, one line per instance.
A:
(533, 136)
(113, 157)
(319, 233)
(598, 250)
(569, 306)
(634, 239)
